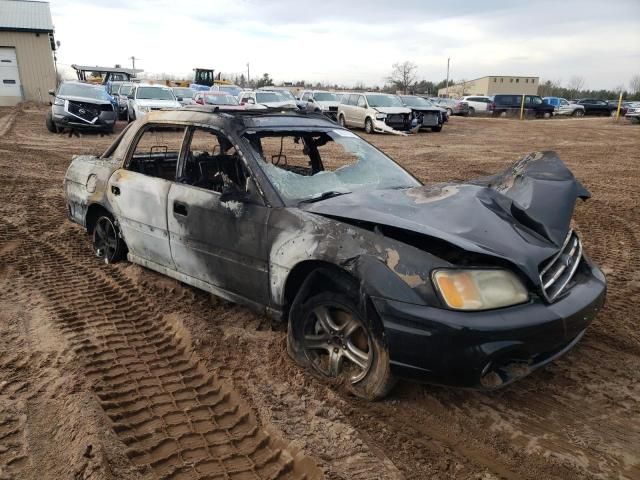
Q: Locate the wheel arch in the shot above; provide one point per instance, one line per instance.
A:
(94, 211)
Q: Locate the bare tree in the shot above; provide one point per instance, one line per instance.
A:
(575, 85)
(403, 75)
(634, 84)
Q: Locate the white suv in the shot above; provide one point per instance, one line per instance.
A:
(477, 103)
(144, 98)
(376, 112)
(326, 102)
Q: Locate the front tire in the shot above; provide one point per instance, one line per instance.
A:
(578, 113)
(368, 126)
(472, 111)
(436, 129)
(449, 112)
(341, 121)
(330, 335)
(108, 244)
(48, 121)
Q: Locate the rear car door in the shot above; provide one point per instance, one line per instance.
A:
(213, 239)
(360, 112)
(138, 192)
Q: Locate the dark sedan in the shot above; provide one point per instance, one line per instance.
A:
(597, 107)
(375, 274)
(427, 114)
(81, 106)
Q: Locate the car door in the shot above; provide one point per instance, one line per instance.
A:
(564, 108)
(348, 104)
(213, 239)
(138, 192)
(360, 112)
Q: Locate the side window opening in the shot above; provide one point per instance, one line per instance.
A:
(157, 151)
(212, 162)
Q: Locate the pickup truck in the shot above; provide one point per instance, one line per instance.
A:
(561, 106)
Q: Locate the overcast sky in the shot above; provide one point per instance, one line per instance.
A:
(346, 42)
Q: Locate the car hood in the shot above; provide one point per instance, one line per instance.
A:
(85, 100)
(521, 215)
(158, 103)
(285, 104)
(392, 110)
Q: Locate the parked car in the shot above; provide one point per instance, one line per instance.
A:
(562, 106)
(374, 275)
(633, 112)
(81, 106)
(428, 115)
(184, 95)
(234, 90)
(322, 100)
(597, 107)
(120, 95)
(145, 98)
(376, 112)
(504, 105)
(477, 103)
(445, 112)
(452, 106)
(215, 98)
(268, 99)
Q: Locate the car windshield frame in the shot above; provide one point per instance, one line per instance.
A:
(381, 100)
(84, 91)
(146, 89)
(295, 189)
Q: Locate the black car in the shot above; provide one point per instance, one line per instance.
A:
(598, 107)
(427, 114)
(510, 105)
(81, 106)
(375, 274)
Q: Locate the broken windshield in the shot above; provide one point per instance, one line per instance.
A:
(303, 166)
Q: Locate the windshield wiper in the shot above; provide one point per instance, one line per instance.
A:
(324, 196)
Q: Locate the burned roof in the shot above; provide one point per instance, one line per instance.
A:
(25, 16)
(267, 118)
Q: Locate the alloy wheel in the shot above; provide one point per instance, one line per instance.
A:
(337, 343)
(105, 240)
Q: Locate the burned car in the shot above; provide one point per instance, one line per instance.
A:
(377, 275)
(81, 106)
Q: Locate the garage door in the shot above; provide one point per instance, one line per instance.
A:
(10, 88)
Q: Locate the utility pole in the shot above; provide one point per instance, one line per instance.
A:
(133, 62)
(447, 88)
(248, 76)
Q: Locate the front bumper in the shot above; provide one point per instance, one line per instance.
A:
(105, 121)
(489, 349)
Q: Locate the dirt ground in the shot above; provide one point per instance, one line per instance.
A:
(115, 372)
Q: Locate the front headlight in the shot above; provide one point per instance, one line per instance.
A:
(58, 101)
(143, 109)
(479, 289)
(381, 116)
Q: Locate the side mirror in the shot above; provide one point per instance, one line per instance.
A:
(231, 193)
(310, 100)
(52, 92)
(131, 97)
(179, 99)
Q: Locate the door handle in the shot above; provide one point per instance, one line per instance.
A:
(180, 209)
(115, 189)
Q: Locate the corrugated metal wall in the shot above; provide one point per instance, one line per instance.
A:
(35, 62)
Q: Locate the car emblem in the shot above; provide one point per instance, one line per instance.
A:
(82, 110)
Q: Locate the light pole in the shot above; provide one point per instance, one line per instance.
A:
(248, 76)
(446, 92)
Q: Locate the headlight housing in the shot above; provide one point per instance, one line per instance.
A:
(381, 116)
(58, 101)
(479, 289)
(143, 109)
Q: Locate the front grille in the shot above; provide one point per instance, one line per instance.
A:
(397, 120)
(333, 109)
(558, 272)
(86, 111)
(428, 118)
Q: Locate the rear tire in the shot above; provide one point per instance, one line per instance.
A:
(108, 244)
(578, 113)
(613, 113)
(449, 112)
(332, 338)
(472, 111)
(368, 126)
(436, 129)
(48, 121)
(341, 121)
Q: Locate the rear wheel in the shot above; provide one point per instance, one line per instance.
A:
(48, 121)
(613, 113)
(436, 129)
(449, 112)
(578, 113)
(546, 115)
(107, 243)
(330, 335)
(341, 121)
(472, 111)
(368, 126)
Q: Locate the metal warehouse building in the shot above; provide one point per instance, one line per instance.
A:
(493, 85)
(27, 70)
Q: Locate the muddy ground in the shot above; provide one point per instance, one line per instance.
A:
(115, 372)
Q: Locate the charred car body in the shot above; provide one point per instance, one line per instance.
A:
(378, 276)
(81, 106)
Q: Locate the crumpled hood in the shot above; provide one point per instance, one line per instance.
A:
(392, 109)
(327, 103)
(521, 215)
(158, 103)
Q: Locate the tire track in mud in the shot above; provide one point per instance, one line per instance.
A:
(175, 418)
